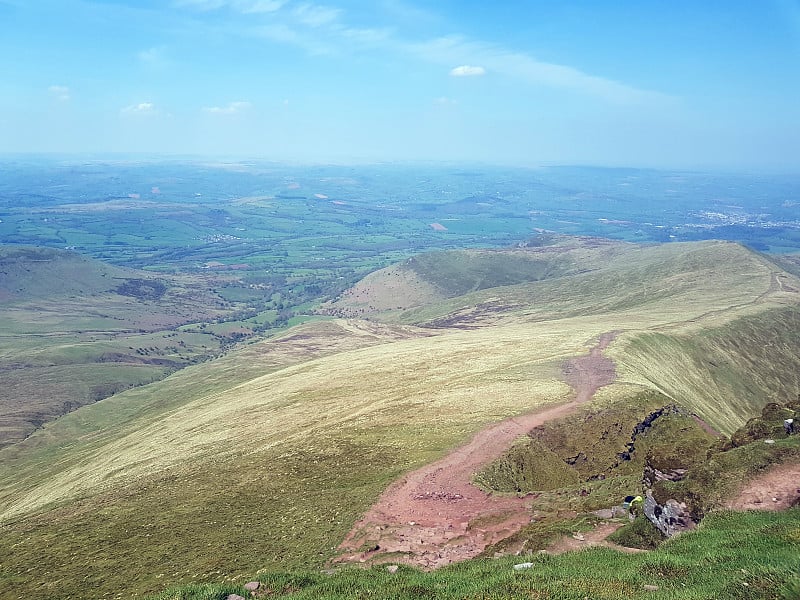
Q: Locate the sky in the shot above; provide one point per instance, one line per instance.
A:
(668, 83)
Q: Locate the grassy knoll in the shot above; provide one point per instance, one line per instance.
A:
(424, 282)
(265, 457)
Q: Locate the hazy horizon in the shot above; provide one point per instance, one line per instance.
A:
(684, 86)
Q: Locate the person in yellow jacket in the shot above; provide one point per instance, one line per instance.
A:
(633, 504)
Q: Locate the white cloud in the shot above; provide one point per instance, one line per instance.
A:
(523, 67)
(467, 71)
(313, 15)
(231, 109)
(444, 101)
(143, 108)
(59, 92)
(323, 30)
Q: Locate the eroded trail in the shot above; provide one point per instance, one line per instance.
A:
(434, 515)
(776, 489)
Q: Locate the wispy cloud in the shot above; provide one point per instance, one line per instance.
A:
(242, 6)
(467, 71)
(313, 15)
(231, 109)
(325, 30)
(59, 92)
(526, 68)
(143, 108)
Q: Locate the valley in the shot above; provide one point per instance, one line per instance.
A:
(241, 409)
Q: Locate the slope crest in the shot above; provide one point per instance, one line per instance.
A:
(433, 277)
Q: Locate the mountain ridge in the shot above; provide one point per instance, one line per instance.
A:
(241, 450)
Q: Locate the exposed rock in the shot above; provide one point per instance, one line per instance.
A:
(392, 568)
(252, 586)
(522, 566)
(653, 475)
(672, 517)
(650, 588)
(234, 597)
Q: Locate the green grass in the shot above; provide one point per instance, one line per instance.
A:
(640, 533)
(725, 373)
(731, 556)
(459, 272)
(708, 484)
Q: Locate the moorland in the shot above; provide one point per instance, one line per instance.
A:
(214, 372)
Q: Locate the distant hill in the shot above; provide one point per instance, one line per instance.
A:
(436, 276)
(74, 330)
(267, 456)
(28, 273)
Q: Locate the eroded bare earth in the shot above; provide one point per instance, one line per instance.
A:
(435, 516)
(777, 489)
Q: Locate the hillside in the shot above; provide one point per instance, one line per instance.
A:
(432, 277)
(266, 457)
(74, 330)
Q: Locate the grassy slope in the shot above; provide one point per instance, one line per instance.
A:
(265, 459)
(432, 277)
(730, 557)
(67, 338)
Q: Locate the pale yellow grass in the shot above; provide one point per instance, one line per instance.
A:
(390, 383)
(458, 381)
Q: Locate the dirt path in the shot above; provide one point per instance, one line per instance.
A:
(777, 489)
(435, 516)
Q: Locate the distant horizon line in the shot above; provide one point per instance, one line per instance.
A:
(141, 157)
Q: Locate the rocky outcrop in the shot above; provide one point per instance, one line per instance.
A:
(671, 518)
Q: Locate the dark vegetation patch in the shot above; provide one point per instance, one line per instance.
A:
(712, 477)
(575, 465)
(143, 289)
(587, 446)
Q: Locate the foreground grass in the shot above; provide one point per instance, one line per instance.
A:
(737, 556)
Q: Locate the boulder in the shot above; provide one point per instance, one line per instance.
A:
(671, 518)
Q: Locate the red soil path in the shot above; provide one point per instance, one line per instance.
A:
(434, 515)
(777, 489)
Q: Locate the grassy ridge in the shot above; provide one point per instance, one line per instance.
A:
(647, 286)
(726, 373)
(265, 457)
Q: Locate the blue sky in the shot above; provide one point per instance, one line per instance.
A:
(688, 84)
